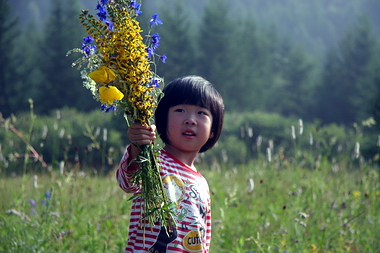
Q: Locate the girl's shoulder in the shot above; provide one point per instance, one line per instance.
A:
(171, 164)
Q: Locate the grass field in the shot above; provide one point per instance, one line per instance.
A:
(317, 198)
(256, 207)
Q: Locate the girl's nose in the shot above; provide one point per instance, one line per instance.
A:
(190, 121)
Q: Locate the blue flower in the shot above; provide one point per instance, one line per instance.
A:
(102, 14)
(155, 20)
(105, 108)
(88, 40)
(104, 1)
(47, 198)
(47, 195)
(150, 51)
(154, 83)
(137, 7)
(155, 39)
(109, 24)
(88, 49)
(163, 58)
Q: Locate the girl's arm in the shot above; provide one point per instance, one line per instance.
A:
(138, 135)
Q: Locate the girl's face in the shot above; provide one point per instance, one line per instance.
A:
(189, 127)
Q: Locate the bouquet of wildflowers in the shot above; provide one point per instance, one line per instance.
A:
(117, 68)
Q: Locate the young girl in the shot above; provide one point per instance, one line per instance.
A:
(189, 120)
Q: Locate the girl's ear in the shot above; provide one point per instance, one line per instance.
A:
(211, 135)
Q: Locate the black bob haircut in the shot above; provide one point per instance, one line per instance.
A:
(192, 90)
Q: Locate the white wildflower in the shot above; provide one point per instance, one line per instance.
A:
(250, 132)
(35, 182)
(300, 126)
(251, 185)
(269, 154)
(105, 134)
(293, 132)
(357, 150)
(61, 167)
(259, 140)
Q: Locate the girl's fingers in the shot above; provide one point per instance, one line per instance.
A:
(141, 135)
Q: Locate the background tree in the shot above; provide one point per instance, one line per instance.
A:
(61, 82)
(9, 32)
(375, 103)
(29, 73)
(250, 50)
(293, 84)
(176, 41)
(349, 76)
(214, 44)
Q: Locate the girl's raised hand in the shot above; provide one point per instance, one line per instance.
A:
(141, 135)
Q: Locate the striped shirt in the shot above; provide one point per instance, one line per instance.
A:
(189, 191)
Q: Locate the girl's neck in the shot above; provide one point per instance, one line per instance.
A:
(187, 158)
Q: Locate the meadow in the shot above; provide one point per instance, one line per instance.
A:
(285, 200)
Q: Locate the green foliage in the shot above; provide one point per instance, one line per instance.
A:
(349, 77)
(68, 138)
(176, 41)
(61, 85)
(255, 207)
(261, 55)
(72, 213)
(214, 44)
(9, 30)
(293, 209)
(321, 196)
(375, 103)
(96, 141)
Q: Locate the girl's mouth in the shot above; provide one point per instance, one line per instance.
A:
(188, 133)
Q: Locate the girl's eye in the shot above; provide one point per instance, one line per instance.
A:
(179, 110)
(202, 113)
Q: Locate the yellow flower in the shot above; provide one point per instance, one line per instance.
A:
(356, 194)
(109, 94)
(103, 75)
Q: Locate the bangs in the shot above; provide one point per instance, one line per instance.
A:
(189, 94)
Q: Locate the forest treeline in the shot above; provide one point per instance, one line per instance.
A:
(254, 64)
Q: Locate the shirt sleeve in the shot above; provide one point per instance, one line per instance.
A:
(124, 175)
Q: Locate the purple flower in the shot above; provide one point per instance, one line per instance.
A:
(32, 202)
(155, 20)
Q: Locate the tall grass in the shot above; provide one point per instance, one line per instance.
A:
(304, 197)
(287, 210)
(295, 210)
(71, 213)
